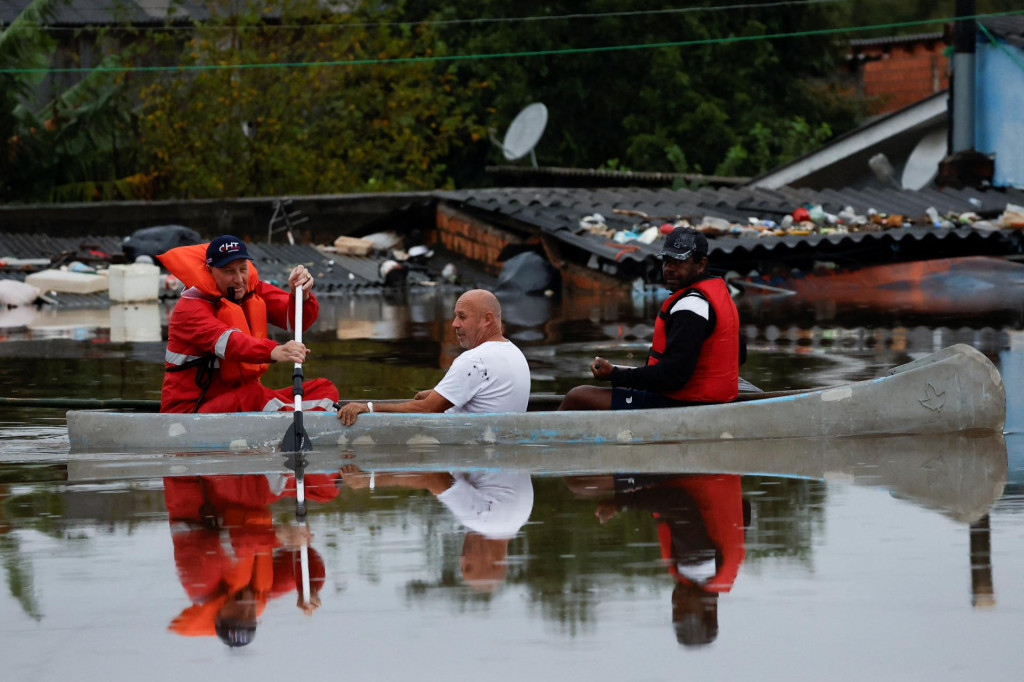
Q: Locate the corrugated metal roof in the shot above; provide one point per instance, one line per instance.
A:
(597, 177)
(334, 273)
(896, 40)
(35, 245)
(137, 12)
(557, 213)
(1010, 29)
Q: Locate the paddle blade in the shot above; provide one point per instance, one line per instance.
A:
(295, 438)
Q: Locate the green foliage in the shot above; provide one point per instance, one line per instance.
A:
(734, 107)
(21, 45)
(64, 149)
(652, 108)
(307, 130)
(762, 148)
(613, 165)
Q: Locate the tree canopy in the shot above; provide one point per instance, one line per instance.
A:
(681, 107)
(302, 129)
(301, 96)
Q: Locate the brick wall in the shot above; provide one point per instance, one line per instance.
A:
(895, 75)
(472, 238)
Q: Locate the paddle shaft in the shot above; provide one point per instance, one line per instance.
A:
(300, 434)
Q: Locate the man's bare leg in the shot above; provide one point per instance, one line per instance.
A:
(587, 398)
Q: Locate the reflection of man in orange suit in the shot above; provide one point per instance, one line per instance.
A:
(701, 520)
(230, 582)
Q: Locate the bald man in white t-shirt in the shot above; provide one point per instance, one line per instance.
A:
(492, 375)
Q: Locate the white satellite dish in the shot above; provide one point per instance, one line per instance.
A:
(525, 132)
(923, 163)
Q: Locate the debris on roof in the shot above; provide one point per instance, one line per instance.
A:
(616, 231)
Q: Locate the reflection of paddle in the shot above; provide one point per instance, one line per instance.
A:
(300, 517)
(295, 438)
(297, 462)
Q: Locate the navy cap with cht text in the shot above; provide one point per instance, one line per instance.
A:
(224, 250)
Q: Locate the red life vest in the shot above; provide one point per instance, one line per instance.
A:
(188, 263)
(715, 379)
(720, 500)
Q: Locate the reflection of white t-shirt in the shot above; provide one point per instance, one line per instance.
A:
(495, 504)
(493, 377)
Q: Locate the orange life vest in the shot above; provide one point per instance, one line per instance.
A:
(716, 376)
(188, 263)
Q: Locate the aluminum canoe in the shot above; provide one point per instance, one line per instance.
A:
(954, 390)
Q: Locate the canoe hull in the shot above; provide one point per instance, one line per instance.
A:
(955, 390)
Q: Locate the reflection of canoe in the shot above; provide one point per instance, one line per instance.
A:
(960, 474)
(956, 389)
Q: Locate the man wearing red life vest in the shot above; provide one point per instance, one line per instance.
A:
(217, 345)
(696, 350)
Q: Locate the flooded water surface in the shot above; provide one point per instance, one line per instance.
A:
(842, 559)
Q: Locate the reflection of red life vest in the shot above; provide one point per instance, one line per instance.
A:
(239, 504)
(720, 499)
(188, 263)
(715, 379)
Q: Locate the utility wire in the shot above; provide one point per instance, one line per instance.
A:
(503, 55)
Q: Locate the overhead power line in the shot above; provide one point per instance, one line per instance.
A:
(505, 55)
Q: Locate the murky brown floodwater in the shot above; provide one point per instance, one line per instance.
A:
(882, 559)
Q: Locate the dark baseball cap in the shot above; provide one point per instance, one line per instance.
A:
(683, 243)
(224, 250)
(235, 633)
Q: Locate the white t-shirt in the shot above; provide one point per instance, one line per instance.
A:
(493, 377)
(495, 504)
